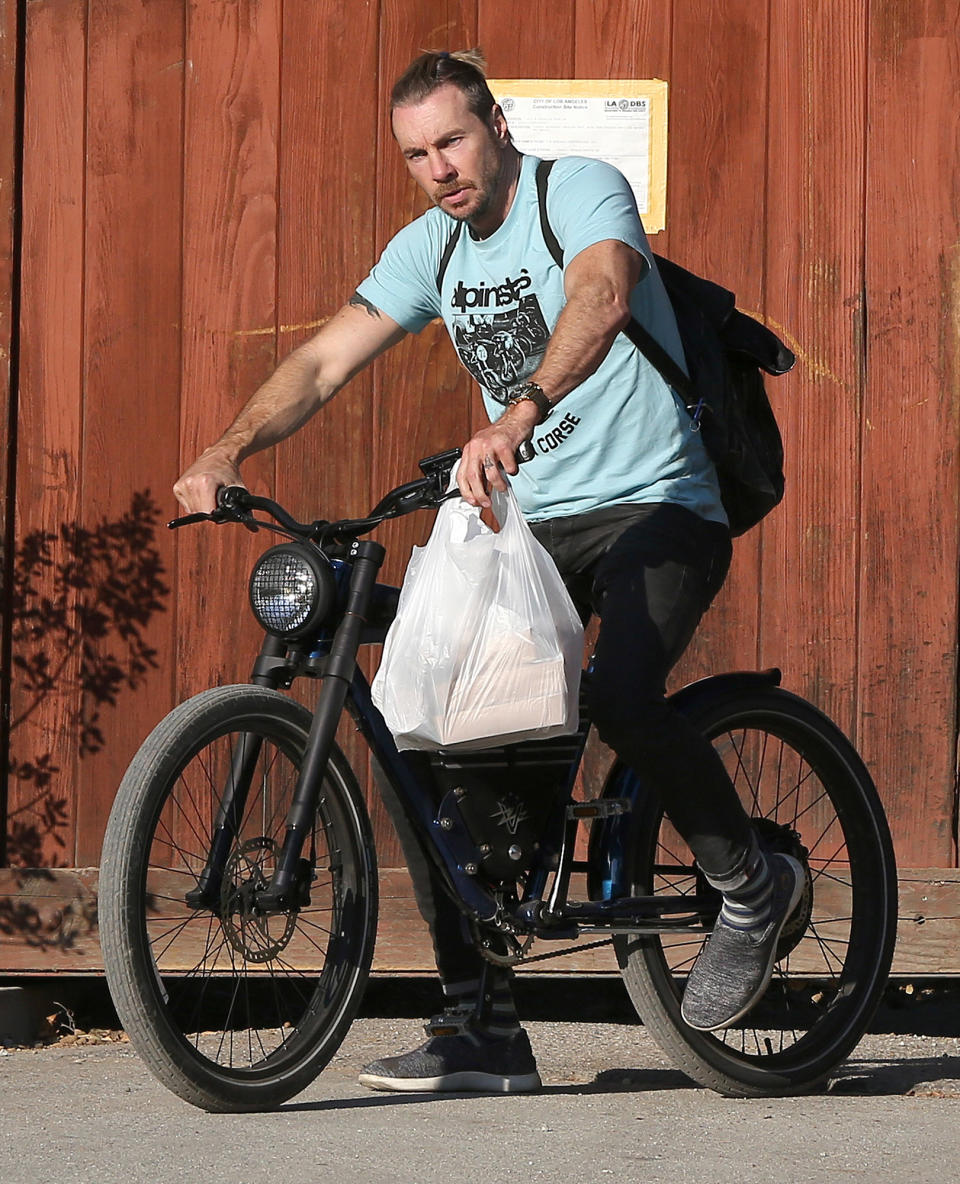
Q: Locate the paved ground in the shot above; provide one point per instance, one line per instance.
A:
(611, 1107)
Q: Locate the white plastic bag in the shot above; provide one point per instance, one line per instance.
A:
(487, 646)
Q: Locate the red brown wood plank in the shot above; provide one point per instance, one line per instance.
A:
(908, 591)
(630, 41)
(131, 380)
(229, 306)
(715, 219)
(9, 182)
(326, 245)
(814, 298)
(9, 264)
(45, 699)
(48, 921)
(615, 40)
(928, 935)
(533, 41)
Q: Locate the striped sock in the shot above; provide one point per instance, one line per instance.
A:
(496, 1015)
(746, 891)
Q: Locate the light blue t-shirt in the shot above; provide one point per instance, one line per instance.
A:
(621, 435)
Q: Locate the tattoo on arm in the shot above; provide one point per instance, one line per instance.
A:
(362, 302)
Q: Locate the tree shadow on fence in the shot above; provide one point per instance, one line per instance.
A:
(78, 602)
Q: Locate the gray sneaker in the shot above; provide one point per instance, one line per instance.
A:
(735, 966)
(467, 1062)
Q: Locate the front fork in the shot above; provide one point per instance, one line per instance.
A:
(233, 801)
(286, 889)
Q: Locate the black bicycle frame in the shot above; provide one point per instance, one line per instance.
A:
(444, 829)
(626, 802)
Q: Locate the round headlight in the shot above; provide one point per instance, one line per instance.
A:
(292, 589)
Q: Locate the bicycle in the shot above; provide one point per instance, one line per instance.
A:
(238, 899)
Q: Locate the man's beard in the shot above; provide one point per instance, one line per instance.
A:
(487, 187)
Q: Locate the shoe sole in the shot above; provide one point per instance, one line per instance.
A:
(768, 973)
(464, 1082)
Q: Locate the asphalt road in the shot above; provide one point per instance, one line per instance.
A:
(611, 1107)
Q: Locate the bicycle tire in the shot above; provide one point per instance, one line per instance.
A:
(792, 766)
(231, 1010)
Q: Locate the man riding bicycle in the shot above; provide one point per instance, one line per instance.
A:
(626, 500)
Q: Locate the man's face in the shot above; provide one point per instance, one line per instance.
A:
(453, 155)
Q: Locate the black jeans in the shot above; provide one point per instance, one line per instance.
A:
(649, 573)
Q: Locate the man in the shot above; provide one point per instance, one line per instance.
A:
(620, 491)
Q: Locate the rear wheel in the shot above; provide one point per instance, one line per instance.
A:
(230, 1007)
(811, 796)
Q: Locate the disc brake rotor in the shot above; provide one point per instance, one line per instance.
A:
(256, 936)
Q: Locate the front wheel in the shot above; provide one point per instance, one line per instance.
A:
(231, 1007)
(811, 796)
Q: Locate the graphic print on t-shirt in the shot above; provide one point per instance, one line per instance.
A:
(500, 349)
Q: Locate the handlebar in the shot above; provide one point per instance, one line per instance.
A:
(237, 504)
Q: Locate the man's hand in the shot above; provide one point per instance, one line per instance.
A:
(197, 489)
(492, 448)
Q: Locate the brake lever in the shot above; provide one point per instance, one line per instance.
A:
(188, 520)
(227, 511)
(218, 518)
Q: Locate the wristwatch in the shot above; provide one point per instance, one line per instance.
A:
(533, 392)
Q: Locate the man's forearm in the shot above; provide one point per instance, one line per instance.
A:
(586, 329)
(597, 284)
(278, 408)
(302, 383)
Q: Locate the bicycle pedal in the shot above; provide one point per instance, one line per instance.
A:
(599, 808)
(455, 1022)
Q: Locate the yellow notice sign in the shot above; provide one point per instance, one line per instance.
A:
(622, 122)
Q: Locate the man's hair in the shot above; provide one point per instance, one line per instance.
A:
(466, 70)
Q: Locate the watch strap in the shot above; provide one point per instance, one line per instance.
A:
(532, 392)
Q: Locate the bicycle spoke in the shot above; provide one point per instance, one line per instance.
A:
(805, 803)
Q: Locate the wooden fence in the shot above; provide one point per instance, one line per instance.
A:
(187, 190)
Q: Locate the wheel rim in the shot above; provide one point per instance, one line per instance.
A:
(248, 995)
(825, 983)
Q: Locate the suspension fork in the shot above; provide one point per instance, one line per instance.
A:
(285, 889)
(267, 672)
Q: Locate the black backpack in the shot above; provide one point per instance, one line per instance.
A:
(725, 352)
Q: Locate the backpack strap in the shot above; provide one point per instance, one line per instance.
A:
(447, 252)
(651, 349)
(661, 361)
(543, 172)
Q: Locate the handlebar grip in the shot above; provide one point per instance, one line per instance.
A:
(229, 497)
